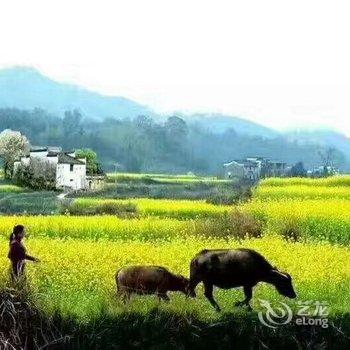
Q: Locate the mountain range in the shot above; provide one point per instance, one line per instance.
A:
(26, 88)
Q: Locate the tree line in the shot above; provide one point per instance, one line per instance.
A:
(143, 144)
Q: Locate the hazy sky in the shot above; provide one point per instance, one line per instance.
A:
(280, 63)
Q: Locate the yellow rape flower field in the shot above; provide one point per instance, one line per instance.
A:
(305, 231)
(77, 276)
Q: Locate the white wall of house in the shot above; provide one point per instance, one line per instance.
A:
(252, 172)
(38, 154)
(71, 175)
(67, 175)
(238, 170)
(52, 160)
(234, 170)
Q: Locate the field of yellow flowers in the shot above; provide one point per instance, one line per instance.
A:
(76, 276)
(306, 232)
(304, 209)
(316, 209)
(166, 208)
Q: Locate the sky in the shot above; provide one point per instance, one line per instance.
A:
(284, 64)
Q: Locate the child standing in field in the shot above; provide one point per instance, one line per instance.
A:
(17, 253)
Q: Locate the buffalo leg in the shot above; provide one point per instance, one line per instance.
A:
(193, 283)
(248, 292)
(124, 295)
(208, 292)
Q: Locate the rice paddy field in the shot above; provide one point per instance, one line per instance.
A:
(305, 230)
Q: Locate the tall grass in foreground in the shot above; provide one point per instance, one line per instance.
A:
(24, 325)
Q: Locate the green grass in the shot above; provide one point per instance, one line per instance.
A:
(29, 203)
(8, 188)
(161, 178)
(213, 192)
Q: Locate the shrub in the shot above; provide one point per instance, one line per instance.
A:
(290, 230)
(237, 224)
(123, 210)
(39, 175)
(237, 195)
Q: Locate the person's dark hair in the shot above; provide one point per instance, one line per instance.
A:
(16, 231)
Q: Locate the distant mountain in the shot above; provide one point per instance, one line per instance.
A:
(322, 137)
(26, 88)
(219, 123)
(22, 90)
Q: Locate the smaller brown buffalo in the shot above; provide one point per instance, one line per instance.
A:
(150, 280)
(230, 268)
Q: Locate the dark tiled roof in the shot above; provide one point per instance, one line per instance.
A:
(45, 148)
(245, 163)
(52, 154)
(38, 149)
(64, 158)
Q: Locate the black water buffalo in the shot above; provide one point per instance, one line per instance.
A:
(150, 280)
(226, 268)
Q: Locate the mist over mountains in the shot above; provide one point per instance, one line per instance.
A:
(27, 88)
(128, 133)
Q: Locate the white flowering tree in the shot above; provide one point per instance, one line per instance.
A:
(12, 145)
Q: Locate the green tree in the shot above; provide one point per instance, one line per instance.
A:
(298, 170)
(92, 165)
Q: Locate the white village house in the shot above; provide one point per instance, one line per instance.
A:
(70, 171)
(245, 169)
(254, 168)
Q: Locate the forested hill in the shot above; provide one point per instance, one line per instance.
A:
(148, 145)
(27, 88)
(126, 132)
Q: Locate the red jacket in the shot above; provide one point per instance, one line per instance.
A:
(18, 252)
